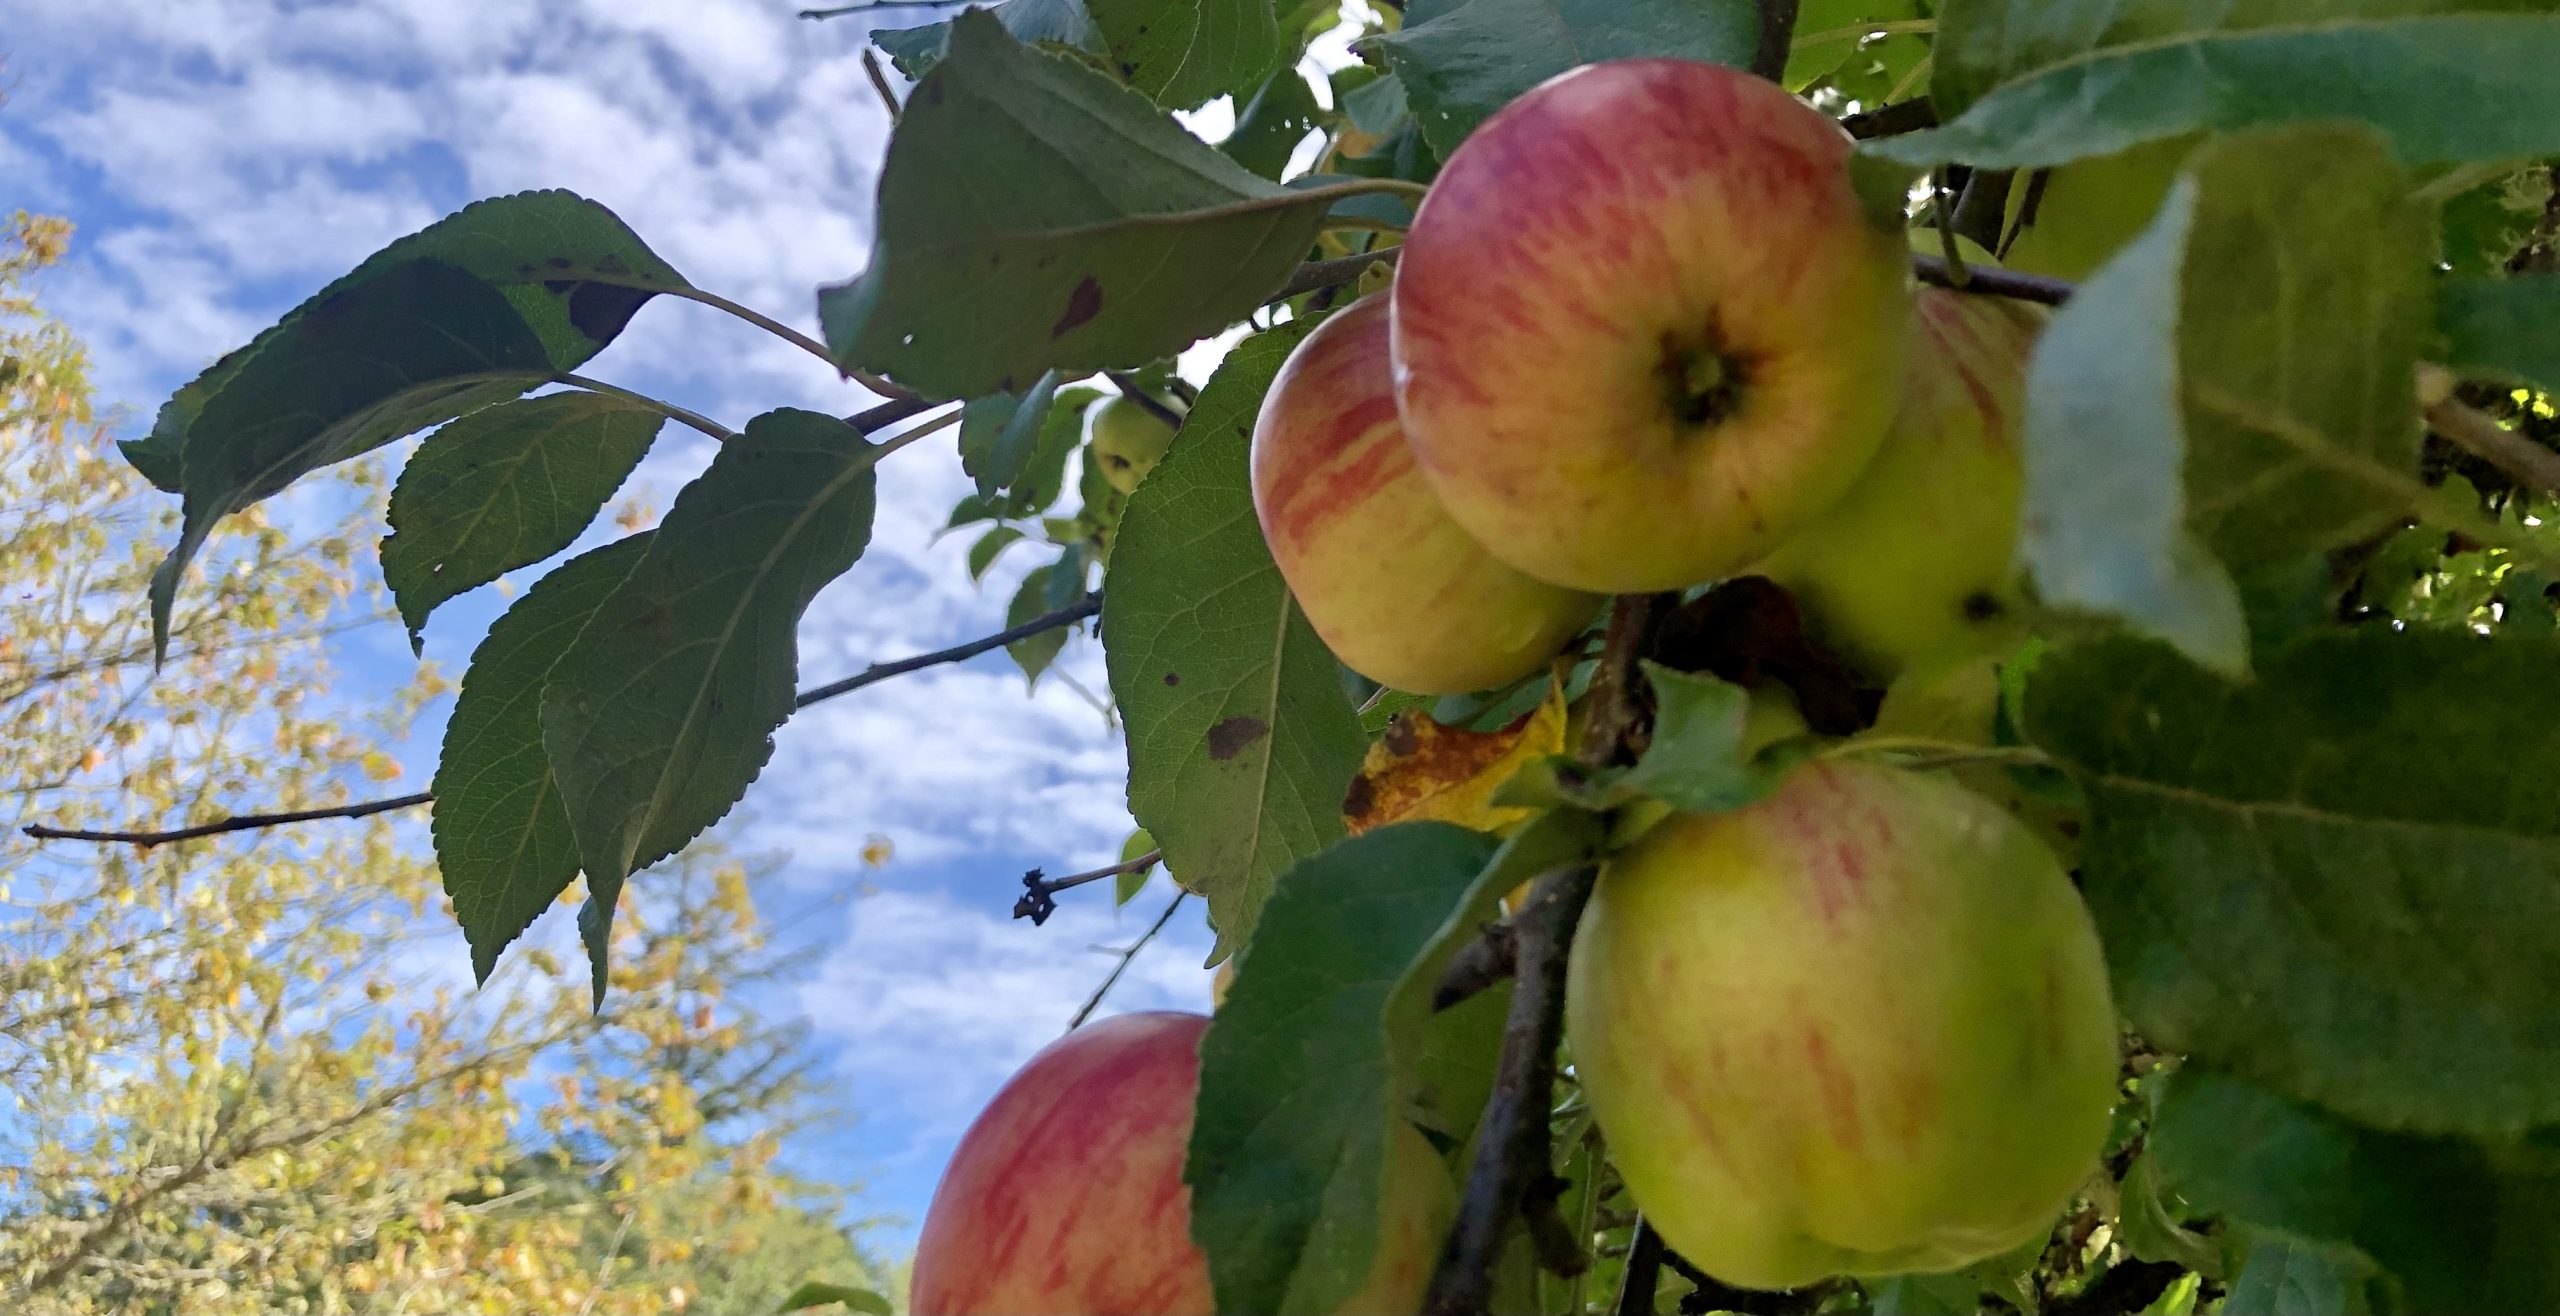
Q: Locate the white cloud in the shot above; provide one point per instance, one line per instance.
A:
(937, 1002)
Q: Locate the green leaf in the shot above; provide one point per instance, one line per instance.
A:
(1830, 22)
(1269, 127)
(1241, 739)
(1050, 444)
(502, 837)
(2286, 1277)
(505, 487)
(570, 267)
(664, 710)
(2152, 1228)
(1310, 1062)
(1376, 107)
(1031, 600)
(2234, 388)
(2439, 88)
(982, 554)
(1034, 215)
(1697, 762)
(2502, 329)
(414, 345)
(999, 432)
(1186, 53)
(1460, 66)
(1134, 881)
(2461, 1227)
(818, 1293)
(915, 50)
(2314, 879)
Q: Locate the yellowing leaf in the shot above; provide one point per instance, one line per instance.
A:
(1422, 771)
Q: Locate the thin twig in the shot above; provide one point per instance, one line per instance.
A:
(1643, 1274)
(1153, 405)
(667, 409)
(887, 413)
(1993, 282)
(1037, 902)
(1126, 956)
(1066, 616)
(1478, 965)
(236, 823)
(870, 6)
(879, 81)
(1777, 32)
(1326, 273)
(1513, 1174)
(2474, 432)
(1892, 120)
(877, 672)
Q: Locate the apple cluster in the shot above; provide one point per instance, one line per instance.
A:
(1646, 335)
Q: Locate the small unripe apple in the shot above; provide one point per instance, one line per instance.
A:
(1917, 562)
(2086, 210)
(1645, 327)
(1860, 1027)
(1065, 1197)
(1397, 590)
(1128, 441)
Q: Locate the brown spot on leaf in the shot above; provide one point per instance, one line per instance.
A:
(1357, 801)
(1229, 738)
(1082, 305)
(1173, 678)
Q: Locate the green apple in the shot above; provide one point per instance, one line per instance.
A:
(1128, 441)
(1861, 1027)
(1956, 701)
(1398, 591)
(2085, 211)
(1065, 1197)
(1645, 327)
(1917, 562)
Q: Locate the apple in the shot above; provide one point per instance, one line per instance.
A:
(1859, 1027)
(1645, 327)
(1957, 702)
(1128, 441)
(1397, 590)
(1065, 1197)
(2086, 210)
(1917, 562)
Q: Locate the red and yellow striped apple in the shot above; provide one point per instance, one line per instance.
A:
(1860, 1027)
(1916, 563)
(1645, 327)
(1066, 1198)
(1396, 589)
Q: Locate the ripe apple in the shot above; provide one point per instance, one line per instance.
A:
(1066, 1196)
(1396, 589)
(1128, 441)
(1917, 562)
(2086, 210)
(1645, 327)
(1860, 1027)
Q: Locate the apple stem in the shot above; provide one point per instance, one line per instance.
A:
(1513, 1175)
(1777, 34)
(1153, 405)
(1992, 282)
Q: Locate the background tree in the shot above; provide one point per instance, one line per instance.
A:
(240, 1077)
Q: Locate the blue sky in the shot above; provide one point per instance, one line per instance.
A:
(223, 158)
